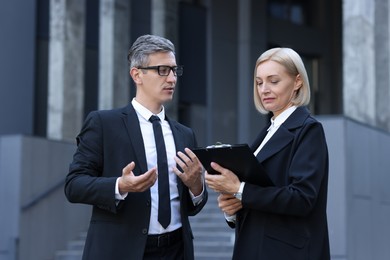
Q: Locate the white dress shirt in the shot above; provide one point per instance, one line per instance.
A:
(151, 158)
(275, 124)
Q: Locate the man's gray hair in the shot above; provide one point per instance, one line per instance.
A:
(145, 45)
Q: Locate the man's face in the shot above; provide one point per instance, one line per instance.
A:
(154, 90)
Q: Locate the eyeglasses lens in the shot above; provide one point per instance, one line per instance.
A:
(165, 70)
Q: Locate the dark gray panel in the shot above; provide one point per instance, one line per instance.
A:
(17, 61)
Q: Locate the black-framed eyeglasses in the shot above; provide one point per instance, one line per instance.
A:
(164, 70)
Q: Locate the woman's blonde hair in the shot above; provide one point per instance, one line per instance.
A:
(294, 66)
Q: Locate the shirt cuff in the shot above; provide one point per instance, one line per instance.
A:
(197, 199)
(230, 218)
(119, 196)
(241, 189)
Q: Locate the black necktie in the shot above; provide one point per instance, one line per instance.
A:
(164, 203)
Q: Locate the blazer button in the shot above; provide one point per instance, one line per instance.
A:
(148, 203)
(144, 231)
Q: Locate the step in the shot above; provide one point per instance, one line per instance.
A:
(218, 247)
(76, 245)
(213, 255)
(214, 236)
(69, 255)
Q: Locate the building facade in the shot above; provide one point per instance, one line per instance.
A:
(61, 59)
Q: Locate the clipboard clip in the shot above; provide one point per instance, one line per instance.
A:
(218, 145)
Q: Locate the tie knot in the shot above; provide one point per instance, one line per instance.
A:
(154, 118)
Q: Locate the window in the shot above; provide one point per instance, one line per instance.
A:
(294, 11)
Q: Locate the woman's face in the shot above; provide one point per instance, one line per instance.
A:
(276, 88)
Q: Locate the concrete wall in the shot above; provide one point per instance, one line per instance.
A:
(17, 61)
(359, 197)
(366, 61)
(35, 217)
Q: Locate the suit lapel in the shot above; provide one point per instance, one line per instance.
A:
(259, 139)
(177, 135)
(130, 119)
(280, 139)
(179, 145)
(284, 135)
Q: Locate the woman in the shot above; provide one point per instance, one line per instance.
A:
(287, 220)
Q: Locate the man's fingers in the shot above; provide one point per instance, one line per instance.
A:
(148, 177)
(184, 157)
(188, 164)
(179, 161)
(128, 169)
(144, 181)
(136, 183)
(177, 172)
(190, 154)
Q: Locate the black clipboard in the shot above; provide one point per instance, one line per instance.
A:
(238, 158)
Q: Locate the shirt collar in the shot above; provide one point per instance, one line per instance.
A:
(279, 120)
(146, 113)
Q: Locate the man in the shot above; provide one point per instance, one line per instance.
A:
(115, 167)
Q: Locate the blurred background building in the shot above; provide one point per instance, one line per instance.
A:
(60, 59)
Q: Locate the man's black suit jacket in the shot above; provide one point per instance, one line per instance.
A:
(108, 141)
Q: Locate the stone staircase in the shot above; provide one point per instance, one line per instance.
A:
(74, 249)
(213, 239)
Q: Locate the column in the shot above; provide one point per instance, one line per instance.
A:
(382, 69)
(66, 68)
(114, 78)
(245, 71)
(17, 63)
(252, 27)
(164, 23)
(359, 82)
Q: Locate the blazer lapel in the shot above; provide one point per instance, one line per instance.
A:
(130, 119)
(177, 135)
(284, 135)
(259, 138)
(280, 139)
(179, 145)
